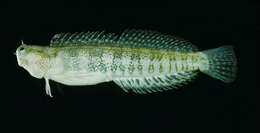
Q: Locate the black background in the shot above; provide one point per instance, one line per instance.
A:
(205, 105)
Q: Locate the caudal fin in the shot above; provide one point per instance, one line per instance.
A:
(221, 63)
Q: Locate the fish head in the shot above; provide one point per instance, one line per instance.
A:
(34, 59)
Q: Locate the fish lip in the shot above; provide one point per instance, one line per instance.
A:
(19, 62)
(18, 55)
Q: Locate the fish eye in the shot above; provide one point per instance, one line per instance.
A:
(22, 48)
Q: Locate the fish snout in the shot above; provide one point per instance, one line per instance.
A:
(20, 51)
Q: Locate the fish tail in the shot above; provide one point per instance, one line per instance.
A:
(220, 63)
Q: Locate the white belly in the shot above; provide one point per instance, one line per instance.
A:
(77, 78)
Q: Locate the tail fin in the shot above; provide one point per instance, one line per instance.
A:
(221, 63)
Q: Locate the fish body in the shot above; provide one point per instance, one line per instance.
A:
(141, 61)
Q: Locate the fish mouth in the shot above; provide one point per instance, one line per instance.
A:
(19, 60)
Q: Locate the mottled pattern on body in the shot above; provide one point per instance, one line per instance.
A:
(127, 62)
(141, 61)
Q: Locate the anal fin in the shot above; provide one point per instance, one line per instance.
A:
(143, 85)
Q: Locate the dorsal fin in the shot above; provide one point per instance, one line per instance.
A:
(157, 40)
(81, 38)
(131, 38)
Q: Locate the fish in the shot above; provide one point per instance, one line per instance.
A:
(138, 61)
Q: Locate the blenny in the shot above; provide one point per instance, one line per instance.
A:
(141, 61)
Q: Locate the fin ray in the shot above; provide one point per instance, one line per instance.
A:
(47, 87)
(81, 38)
(130, 38)
(153, 39)
(221, 63)
(166, 82)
